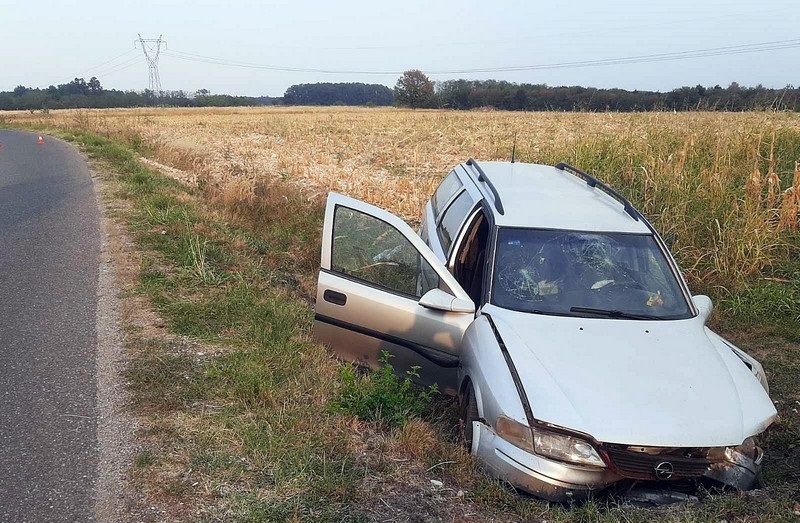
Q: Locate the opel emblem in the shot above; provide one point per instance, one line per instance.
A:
(664, 470)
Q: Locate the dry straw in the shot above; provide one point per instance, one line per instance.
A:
(723, 188)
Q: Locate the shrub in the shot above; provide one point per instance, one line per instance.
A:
(382, 396)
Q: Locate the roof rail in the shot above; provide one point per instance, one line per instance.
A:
(591, 181)
(485, 179)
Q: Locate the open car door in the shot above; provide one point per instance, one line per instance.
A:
(380, 288)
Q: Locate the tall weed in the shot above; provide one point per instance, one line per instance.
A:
(381, 395)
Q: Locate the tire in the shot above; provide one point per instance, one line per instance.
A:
(469, 413)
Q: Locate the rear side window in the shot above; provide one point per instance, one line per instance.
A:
(446, 190)
(453, 219)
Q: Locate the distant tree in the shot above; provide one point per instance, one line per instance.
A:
(76, 86)
(80, 85)
(520, 100)
(20, 90)
(414, 89)
(94, 85)
(202, 92)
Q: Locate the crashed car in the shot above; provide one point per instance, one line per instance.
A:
(554, 310)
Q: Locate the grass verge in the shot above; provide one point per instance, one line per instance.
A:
(235, 396)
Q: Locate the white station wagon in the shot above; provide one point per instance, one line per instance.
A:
(553, 309)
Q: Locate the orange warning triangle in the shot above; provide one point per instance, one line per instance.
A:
(41, 140)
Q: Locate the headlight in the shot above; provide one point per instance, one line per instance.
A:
(548, 444)
(515, 433)
(565, 448)
(748, 449)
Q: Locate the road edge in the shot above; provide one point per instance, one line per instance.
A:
(115, 424)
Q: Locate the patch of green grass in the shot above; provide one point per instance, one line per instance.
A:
(250, 509)
(214, 462)
(162, 380)
(773, 303)
(166, 210)
(153, 281)
(143, 459)
(381, 395)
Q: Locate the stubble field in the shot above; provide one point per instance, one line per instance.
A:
(723, 188)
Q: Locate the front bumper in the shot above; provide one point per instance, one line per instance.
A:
(739, 471)
(544, 478)
(559, 482)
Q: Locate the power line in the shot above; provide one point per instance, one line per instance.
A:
(571, 32)
(96, 68)
(662, 57)
(650, 58)
(136, 60)
(129, 51)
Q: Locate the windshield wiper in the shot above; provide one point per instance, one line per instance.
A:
(614, 313)
(548, 313)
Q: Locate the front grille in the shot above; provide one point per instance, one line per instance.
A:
(628, 463)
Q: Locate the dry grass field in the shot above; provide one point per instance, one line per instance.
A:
(723, 188)
(236, 400)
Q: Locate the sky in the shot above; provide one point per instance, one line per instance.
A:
(291, 42)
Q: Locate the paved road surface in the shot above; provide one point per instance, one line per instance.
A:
(49, 249)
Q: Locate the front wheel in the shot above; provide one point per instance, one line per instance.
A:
(469, 413)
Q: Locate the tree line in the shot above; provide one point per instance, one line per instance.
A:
(80, 93)
(415, 89)
(462, 94)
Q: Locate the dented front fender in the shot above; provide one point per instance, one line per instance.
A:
(738, 471)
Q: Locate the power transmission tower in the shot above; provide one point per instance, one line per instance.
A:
(152, 50)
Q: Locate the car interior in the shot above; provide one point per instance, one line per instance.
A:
(470, 262)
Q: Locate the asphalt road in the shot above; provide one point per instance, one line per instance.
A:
(49, 257)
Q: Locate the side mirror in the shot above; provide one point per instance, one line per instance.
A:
(704, 306)
(439, 300)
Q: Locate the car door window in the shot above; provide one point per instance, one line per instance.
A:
(453, 219)
(371, 250)
(449, 186)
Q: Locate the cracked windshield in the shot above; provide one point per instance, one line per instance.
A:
(555, 272)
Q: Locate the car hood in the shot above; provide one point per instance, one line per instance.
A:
(654, 383)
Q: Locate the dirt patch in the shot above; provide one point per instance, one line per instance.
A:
(760, 343)
(186, 177)
(403, 486)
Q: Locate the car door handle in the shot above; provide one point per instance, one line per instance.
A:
(337, 298)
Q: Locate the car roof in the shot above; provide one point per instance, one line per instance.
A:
(542, 196)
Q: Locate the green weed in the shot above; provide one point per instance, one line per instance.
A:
(143, 459)
(381, 395)
(774, 303)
